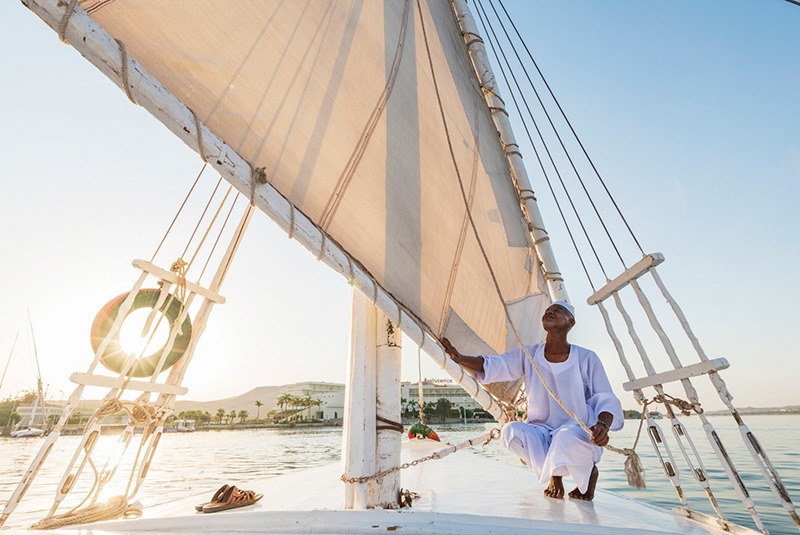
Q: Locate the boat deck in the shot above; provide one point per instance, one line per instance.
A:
(463, 493)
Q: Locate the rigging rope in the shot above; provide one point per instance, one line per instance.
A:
(566, 119)
(419, 385)
(536, 152)
(219, 236)
(547, 148)
(202, 216)
(561, 142)
(178, 213)
(210, 225)
(5, 370)
(518, 338)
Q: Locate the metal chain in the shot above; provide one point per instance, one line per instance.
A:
(380, 475)
(493, 434)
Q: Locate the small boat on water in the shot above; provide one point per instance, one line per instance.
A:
(26, 432)
(185, 426)
(318, 117)
(38, 410)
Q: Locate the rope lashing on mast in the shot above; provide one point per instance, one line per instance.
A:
(200, 145)
(627, 452)
(257, 177)
(115, 358)
(390, 425)
(62, 25)
(123, 59)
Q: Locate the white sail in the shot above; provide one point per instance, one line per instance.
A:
(337, 102)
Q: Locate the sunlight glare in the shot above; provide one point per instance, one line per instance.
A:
(130, 335)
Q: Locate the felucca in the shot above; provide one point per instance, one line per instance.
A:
(373, 133)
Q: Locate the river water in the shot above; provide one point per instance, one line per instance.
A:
(196, 462)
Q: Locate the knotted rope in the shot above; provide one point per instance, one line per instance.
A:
(257, 177)
(686, 407)
(179, 268)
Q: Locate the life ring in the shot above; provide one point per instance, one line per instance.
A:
(114, 357)
(420, 430)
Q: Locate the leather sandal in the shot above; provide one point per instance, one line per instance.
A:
(220, 495)
(233, 499)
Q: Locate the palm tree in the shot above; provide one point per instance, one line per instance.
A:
(231, 416)
(411, 408)
(284, 400)
(243, 414)
(220, 415)
(443, 407)
(259, 404)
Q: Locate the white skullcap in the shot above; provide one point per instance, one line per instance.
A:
(569, 308)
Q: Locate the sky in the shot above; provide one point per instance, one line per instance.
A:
(689, 109)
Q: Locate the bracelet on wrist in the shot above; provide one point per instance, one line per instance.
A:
(601, 422)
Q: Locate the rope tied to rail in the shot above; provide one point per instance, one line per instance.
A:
(179, 268)
(686, 407)
(115, 507)
(139, 413)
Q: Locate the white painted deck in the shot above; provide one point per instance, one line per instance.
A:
(464, 493)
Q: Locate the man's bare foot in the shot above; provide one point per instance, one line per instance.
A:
(555, 489)
(589, 494)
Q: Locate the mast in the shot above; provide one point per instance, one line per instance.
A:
(8, 361)
(538, 234)
(39, 390)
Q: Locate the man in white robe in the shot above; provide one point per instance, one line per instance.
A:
(550, 441)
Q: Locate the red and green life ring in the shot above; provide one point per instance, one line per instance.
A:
(420, 430)
(114, 356)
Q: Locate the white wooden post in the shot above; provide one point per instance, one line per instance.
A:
(372, 388)
(359, 436)
(385, 491)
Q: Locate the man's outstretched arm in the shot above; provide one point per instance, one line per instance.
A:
(473, 363)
